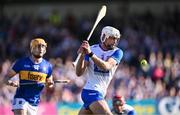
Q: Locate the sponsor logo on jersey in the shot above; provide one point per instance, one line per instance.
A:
(36, 67)
(34, 76)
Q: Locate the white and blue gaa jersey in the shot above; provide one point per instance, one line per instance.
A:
(129, 110)
(98, 79)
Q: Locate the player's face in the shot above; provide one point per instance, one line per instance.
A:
(111, 42)
(118, 107)
(39, 50)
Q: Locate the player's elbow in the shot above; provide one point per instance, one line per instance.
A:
(79, 71)
(106, 67)
(79, 74)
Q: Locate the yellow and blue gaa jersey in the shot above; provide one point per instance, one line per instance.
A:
(29, 72)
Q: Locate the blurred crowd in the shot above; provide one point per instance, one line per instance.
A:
(144, 36)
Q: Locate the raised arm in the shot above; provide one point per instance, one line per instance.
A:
(82, 62)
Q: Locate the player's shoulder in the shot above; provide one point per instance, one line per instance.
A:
(22, 59)
(118, 49)
(46, 62)
(95, 46)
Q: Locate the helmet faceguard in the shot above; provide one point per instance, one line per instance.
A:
(109, 31)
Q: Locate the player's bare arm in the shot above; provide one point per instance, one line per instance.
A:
(105, 65)
(81, 64)
(11, 73)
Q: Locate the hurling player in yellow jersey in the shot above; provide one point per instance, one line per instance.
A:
(33, 69)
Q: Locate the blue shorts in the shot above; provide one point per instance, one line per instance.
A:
(90, 96)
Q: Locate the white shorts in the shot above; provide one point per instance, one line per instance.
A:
(20, 103)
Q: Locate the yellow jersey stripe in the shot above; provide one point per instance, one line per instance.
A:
(33, 76)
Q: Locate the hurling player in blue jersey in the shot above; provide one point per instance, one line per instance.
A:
(33, 69)
(120, 107)
(98, 64)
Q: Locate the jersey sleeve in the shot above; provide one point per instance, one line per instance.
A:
(17, 66)
(117, 55)
(49, 71)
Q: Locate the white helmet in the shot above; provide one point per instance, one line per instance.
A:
(109, 31)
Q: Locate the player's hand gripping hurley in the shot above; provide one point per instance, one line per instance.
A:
(101, 14)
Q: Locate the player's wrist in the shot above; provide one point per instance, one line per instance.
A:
(90, 54)
(50, 84)
(12, 83)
